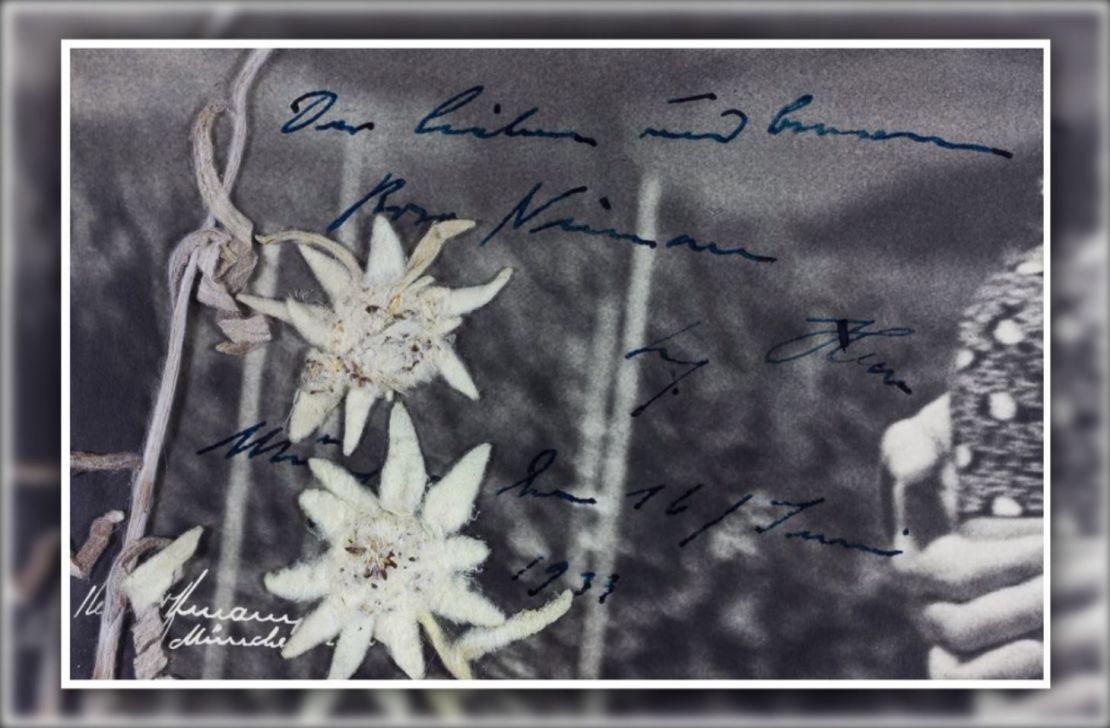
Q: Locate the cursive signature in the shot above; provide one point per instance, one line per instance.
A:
(524, 214)
(835, 337)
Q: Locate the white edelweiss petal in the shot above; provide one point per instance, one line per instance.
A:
(359, 402)
(449, 502)
(314, 323)
(465, 300)
(454, 371)
(151, 579)
(332, 275)
(446, 325)
(319, 626)
(478, 642)
(386, 262)
(267, 306)
(351, 647)
(303, 582)
(344, 485)
(328, 512)
(457, 602)
(310, 409)
(429, 247)
(463, 553)
(403, 475)
(398, 631)
(456, 554)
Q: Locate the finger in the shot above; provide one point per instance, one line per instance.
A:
(992, 619)
(957, 569)
(912, 449)
(1021, 660)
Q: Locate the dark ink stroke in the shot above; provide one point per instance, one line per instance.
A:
(385, 187)
(702, 136)
(823, 540)
(512, 129)
(539, 464)
(320, 103)
(664, 355)
(699, 97)
(716, 521)
(781, 122)
(523, 214)
(241, 443)
(835, 338)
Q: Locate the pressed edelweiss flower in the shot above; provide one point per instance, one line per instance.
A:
(388, 330)
(395, 561)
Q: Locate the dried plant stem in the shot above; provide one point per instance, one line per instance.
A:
(454, 663)
(111, 623)
(100, 533)
(340, 253)
(84, 462)
(142, 489)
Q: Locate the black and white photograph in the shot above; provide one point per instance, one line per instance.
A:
(545, 362)
(535, 362)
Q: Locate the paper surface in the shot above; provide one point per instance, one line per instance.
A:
(665, 443)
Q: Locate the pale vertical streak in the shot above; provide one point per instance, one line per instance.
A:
(599, 388)
(615, 462)
(239, 478)
(350, 182)
(350, 189)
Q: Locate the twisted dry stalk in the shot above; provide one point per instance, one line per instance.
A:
(184, 276)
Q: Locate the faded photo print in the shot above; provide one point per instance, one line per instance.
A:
(557, 362)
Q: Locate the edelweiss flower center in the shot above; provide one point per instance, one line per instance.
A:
(381, 562)
(385, 343)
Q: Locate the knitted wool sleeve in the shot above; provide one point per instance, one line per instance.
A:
(997, 393)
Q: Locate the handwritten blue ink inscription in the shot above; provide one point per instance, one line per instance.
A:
(700, 136)
(664, 355)
(835, 337)
(385, 187)
(782, 122)
(240, 443)
(540, 463)
(511, 129)
(308, 108)
(524, 213)
(320, 102)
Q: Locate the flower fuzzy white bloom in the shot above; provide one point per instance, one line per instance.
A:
(394, 559)
(388, 330)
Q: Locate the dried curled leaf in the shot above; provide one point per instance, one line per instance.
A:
(100, 533)
(152, 579)
(483, 640)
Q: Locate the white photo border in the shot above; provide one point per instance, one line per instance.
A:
(68, 682)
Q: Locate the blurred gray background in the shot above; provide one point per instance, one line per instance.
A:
(31, 72)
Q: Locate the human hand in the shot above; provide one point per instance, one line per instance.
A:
(977, 593)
